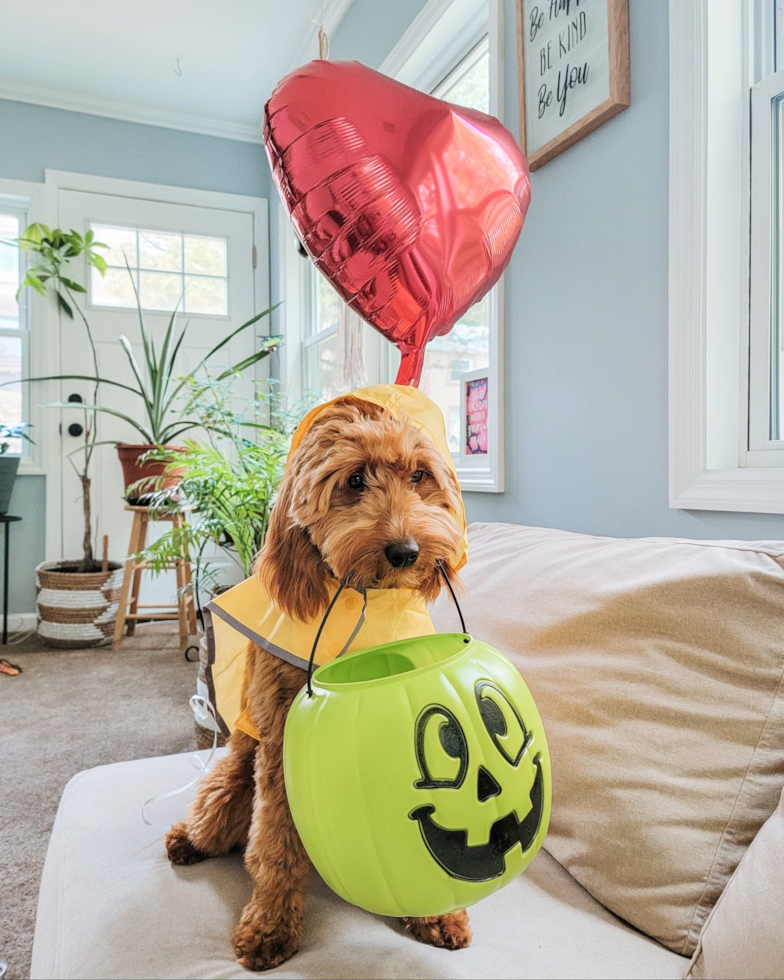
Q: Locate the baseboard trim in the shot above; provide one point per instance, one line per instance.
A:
(22, 622)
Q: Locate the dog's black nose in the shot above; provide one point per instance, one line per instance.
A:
(402, 554)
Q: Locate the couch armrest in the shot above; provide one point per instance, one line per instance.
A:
(743, 936)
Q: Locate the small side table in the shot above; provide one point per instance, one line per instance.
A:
(6, 519)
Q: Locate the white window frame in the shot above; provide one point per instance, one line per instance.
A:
(711, 467)
(28, 199)
(441, 34)
(438, 38)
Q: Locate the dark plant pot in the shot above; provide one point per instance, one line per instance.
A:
(133, 470)
(8, 467)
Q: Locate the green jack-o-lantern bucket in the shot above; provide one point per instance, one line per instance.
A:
(418, 774)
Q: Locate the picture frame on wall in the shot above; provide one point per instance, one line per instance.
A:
(574, 74)
(476, 437)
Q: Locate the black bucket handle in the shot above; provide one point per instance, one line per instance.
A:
(330, 607)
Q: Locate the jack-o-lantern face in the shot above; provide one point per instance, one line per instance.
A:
(442, 753)
(418, 774)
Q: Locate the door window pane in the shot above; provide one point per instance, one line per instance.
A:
(205, 256)
(160, 290)
(169, 267)
(205, 295)
(160, 251)
(113, 289)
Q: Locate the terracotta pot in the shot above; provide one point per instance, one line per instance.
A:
(133, 470)
(77, 609)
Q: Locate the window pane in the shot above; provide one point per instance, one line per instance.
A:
(205, 296)
(327, 304)
(777, 279)
(160, 290)
(9, 272)
(159, 250)
(113, 289)
(158, 268)
(205, 256)
(121, 242)
(322, 367)
(465, 348)
(11, 397)
(469, 87)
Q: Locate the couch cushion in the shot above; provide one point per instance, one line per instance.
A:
(744, 934)
(112, 906)
(657, 667)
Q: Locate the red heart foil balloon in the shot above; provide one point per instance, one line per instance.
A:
(410, 206)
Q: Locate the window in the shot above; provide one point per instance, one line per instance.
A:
(726, 445)
(766, 321)
(467, 345)
(455, 52)
(320, 345)
(13, 320)
(167, 267)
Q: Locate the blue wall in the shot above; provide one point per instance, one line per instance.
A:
(586, 310)
(34, 138)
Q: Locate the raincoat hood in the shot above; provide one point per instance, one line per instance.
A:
(357, 621)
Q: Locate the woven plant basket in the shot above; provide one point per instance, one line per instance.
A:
(76, 609)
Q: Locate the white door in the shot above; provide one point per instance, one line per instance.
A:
(203, 254)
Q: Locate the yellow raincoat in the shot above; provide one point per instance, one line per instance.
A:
(356, 622)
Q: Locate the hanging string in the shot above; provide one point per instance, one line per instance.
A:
(351, 349)
(197, 702)
(323, 40)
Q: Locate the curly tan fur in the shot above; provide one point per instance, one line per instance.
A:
(322, 529)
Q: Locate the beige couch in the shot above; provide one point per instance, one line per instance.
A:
(657, 666)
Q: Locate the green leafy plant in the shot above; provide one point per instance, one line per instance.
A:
(227, 485)
(164, 413)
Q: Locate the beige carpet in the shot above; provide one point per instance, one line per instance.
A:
(72, 710)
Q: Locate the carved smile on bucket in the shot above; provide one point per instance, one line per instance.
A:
(482, 862)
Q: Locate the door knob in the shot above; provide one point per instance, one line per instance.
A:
(74, 429)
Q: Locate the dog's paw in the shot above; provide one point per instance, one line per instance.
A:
(444, 931)
(180, 849)
(258, 947)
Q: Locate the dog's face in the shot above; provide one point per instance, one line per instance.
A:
(365, 496)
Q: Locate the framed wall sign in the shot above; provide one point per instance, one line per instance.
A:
(475, 417)
(573, 61)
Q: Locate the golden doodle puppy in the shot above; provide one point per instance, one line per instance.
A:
(366, 497)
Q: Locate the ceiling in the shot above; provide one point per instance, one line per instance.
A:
(203, 65)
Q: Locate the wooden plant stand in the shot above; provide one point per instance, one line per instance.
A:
(128, 610)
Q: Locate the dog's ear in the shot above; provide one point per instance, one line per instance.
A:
(290, 565)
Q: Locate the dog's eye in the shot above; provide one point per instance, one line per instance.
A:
(356, 482)
(417, 475)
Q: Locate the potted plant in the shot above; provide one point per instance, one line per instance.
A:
(227, 484)
(71, 620)
(9, 462)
